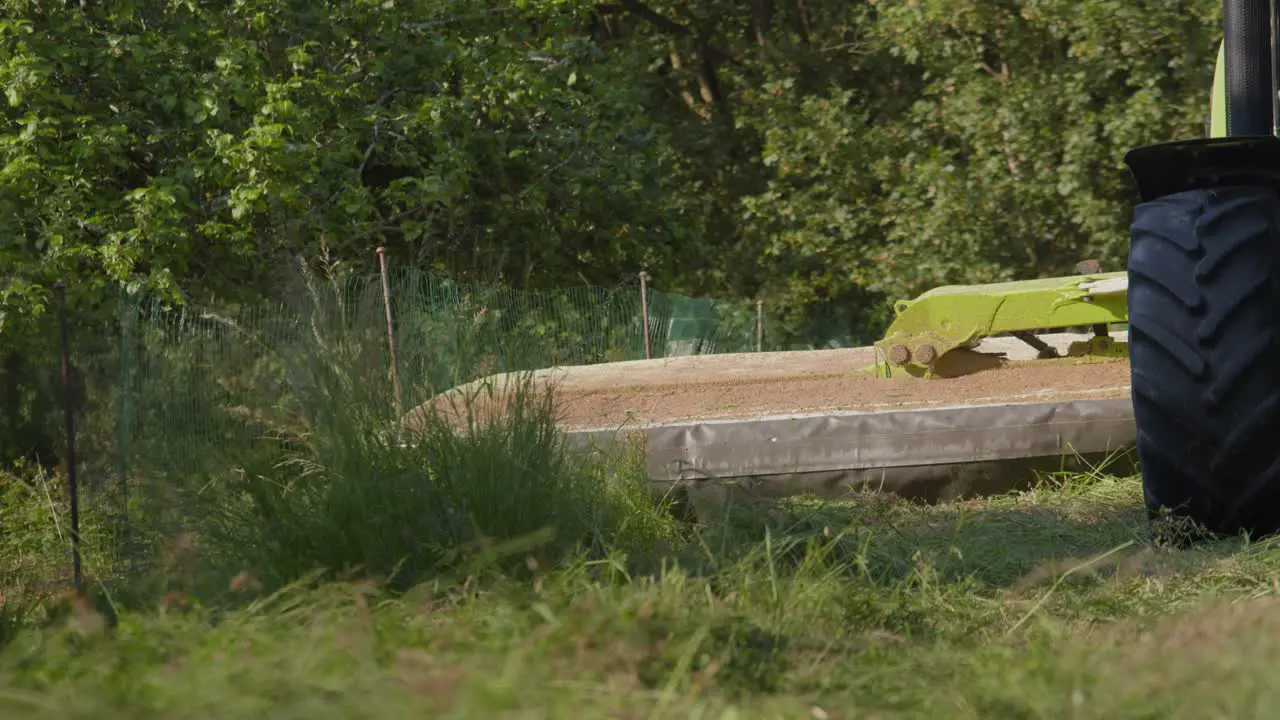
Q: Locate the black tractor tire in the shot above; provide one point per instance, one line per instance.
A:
(1204, 351)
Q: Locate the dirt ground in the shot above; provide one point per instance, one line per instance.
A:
(710, 387)
(676, 402)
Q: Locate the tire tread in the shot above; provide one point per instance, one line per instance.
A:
(1204, 302)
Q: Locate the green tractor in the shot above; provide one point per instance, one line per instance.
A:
(1200, 297)
(1204, 296)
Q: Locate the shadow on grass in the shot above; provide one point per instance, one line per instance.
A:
(1011, 541)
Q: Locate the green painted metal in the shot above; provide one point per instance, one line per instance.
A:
(954, 317)
(1218, 97)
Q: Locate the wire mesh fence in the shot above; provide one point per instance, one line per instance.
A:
(180, 364)
(189, 380)
(175, 402)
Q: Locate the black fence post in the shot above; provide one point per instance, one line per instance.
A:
(68, 401)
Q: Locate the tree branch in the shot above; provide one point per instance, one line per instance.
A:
(667, 25)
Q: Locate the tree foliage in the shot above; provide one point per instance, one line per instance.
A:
(828, 155)
(812, 150)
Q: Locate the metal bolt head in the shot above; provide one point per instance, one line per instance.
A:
(926, 354)
(899, 355)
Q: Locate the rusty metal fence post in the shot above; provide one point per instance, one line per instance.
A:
(644, 314)
(759, 325)
(391, 332)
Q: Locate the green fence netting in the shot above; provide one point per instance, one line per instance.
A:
(192, 378)
(175, 401)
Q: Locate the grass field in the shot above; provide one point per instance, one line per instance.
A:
(491, 574)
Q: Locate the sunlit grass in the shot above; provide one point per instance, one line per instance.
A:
(484, 569)
(1048, 603)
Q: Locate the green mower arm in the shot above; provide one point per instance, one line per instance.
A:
(951, 317)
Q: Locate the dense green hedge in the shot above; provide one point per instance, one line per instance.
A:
(828, 156)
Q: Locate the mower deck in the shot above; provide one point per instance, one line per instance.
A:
(821, 422)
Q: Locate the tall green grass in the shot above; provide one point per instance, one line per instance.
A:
(360, 494)
(335, 562)
(1038, 604)
(332, 481)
